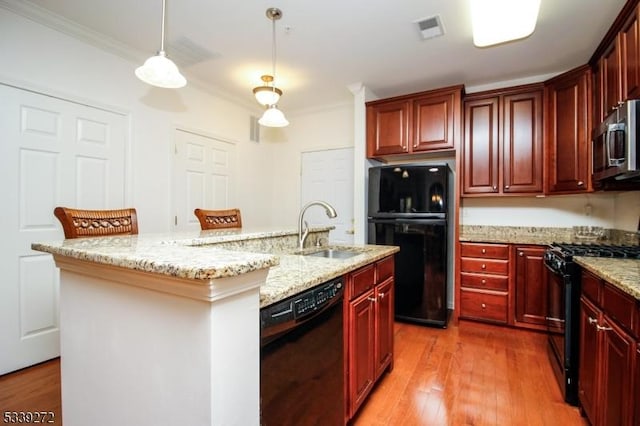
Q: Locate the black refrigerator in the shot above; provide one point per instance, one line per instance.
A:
(408, 207)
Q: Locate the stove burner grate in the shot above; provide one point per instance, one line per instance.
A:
(599, 250)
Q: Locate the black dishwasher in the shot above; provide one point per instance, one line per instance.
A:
(302, 358)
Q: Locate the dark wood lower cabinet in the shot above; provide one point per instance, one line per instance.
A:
(636, 403)
(370, 312)
(531, 287)
(589, 357)
(617, 392)
(607, 357)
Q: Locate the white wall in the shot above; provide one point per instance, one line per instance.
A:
(627, 211)
(41, 58)
(313, 130)
(556, 211)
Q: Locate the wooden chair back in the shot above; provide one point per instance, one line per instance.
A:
(218, 219)
(96, 223)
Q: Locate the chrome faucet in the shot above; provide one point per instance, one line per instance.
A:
(302, 234)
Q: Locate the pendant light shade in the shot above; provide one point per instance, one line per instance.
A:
(159, 70)
(268, 94)
(273, 117)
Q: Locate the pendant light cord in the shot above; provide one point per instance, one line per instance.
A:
(273, 52)
(164, 3)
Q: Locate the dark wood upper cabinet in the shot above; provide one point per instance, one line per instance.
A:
(503, 142)
(481, 144)
(609, 69)
(413, 124)
(630, 57)
(434, 121)
(388, 128)
(568, 127)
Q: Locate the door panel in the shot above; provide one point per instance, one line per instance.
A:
(480, 173)
(55, 152)
(203, 177)
(328, 176)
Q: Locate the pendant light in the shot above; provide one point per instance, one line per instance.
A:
(159, 70)
(267, 94)
(272, 117)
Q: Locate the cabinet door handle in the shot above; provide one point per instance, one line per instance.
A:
(495, 187)
(520, 254)
(580, 183)
(381, 295)
(506, 186)
(371, 299)
(602, 328)
(593, 321)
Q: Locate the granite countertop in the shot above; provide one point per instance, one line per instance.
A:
(537, 235)
(207, 255)
(622, 273)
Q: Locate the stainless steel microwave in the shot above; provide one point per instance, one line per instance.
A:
(616, 154)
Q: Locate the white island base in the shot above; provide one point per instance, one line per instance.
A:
(148, 349)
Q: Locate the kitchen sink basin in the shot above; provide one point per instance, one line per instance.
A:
(333, 254)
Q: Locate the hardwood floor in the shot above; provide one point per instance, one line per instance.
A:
(470, 374)
(32, 389)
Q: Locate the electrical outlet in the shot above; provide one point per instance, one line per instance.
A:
(588, 209)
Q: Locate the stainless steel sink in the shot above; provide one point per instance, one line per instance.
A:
(334, 254)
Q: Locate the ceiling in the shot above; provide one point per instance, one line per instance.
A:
(324, 47)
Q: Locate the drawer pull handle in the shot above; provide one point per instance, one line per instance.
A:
(484, 251)
(484, 266)
(484, 281)
(484, 306)
(601, 328)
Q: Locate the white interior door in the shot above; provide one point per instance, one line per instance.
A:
(52, 152)
(203, 176)
(328, 176)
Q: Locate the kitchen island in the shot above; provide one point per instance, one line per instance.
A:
(164, 329)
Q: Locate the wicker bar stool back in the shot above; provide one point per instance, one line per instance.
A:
(96, 223)
(218, 219)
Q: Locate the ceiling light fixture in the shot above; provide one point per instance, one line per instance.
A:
(159, 70)
(499, 21)
(267, 94)
(272, 117)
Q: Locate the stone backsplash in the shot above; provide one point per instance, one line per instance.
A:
(540, 235)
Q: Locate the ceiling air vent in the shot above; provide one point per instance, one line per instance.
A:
(430, 27)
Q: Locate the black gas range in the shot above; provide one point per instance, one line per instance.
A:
(564, 306)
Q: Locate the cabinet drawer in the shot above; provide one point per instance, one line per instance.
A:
(488, 251)
(361, 280)
(486, 266)
(488, 306)
(491, 282)
(384, 269)
(591, 286)
(618, 306)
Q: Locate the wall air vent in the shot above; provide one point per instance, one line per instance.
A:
(254, 129)
(430, 27)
